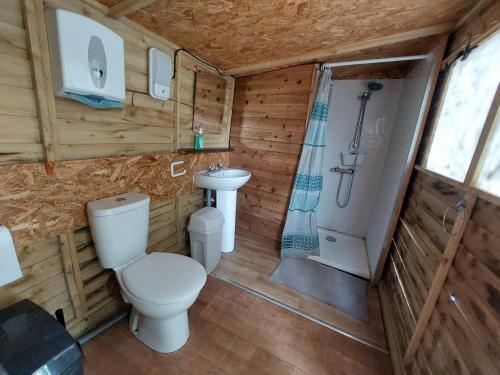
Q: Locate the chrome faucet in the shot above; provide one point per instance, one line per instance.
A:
(219, 166)
(210, 168)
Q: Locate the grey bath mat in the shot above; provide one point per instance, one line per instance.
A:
(341, 290)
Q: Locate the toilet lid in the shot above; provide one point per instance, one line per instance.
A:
(164, 278)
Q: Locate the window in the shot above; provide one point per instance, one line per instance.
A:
(470, 88)
(489, 170)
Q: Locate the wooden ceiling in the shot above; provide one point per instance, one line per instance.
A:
(237, 35)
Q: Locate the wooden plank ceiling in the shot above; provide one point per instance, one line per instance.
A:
(234, 33)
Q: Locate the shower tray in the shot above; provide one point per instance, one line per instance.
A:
(344, 252)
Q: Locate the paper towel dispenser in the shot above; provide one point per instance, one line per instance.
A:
(87, 59)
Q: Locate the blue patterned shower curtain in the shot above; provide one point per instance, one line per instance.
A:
(300, 236)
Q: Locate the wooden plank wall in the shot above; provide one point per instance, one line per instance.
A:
(63, 272)
(19, 130)
(76, 131)
(43, 203)
(187, 68)
(267, 132)
(463, 334)
(44, 208)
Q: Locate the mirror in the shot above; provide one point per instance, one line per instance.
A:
(209, 101)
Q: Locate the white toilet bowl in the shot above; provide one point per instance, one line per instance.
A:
(161, 287)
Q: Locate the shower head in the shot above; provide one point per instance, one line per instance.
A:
(372, 86)
(375, 85)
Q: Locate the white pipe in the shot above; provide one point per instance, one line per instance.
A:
(379, 61)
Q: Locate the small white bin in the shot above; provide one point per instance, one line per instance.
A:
(205, 233)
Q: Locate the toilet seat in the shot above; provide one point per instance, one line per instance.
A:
(164, 278)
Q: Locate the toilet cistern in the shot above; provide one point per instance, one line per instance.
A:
(226, 182)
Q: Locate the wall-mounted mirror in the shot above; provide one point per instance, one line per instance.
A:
(209, 101)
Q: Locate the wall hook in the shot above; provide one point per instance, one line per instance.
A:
(172, 169)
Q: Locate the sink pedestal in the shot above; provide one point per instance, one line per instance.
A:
(226, 202)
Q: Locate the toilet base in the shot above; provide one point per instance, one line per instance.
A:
(164, 335)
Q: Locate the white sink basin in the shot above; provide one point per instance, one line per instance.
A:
(226, 179)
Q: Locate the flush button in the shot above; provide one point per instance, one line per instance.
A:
(121, 199)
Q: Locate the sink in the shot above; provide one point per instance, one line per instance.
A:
(226, 179)
(226, 182)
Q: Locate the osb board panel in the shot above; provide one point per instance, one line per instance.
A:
(209, 95)
(267, 132)
(39, 201)
(233, 34)
(19, 130)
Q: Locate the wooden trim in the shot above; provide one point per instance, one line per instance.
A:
(440, 277)
(431, 85)
(70, 239)
(69, 270)
(481, 4)
(478, 156)
(34, 19)
(446, 180)
(325, 54)
(177, 103)
(128, 6)
(475, 40)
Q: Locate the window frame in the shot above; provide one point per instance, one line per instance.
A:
(474, 168)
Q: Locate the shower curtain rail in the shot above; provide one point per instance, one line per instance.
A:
(428, 56)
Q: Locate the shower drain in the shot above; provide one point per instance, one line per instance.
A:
(331, 239)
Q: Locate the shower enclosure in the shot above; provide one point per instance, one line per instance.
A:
(371, 129)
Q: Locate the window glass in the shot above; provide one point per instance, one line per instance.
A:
(489, 174)
(469, 92)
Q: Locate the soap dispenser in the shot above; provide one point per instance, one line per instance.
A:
(198, 140)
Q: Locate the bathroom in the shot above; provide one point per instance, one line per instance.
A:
(151, 162)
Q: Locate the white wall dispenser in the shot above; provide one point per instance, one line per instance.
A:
(10, 269)
(87, 60)
(160, 74)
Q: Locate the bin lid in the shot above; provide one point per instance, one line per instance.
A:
(205, 220)
(32, 340)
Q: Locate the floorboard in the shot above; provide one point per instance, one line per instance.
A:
(235, 332)
(251, 265)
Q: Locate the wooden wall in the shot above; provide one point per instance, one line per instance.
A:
(34, 123)
(57, 154)
(440, 293)
(43, 205)
(462, 335)
(62, 272)
(267, 132)
(20, 138)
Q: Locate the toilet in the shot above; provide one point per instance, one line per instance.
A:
(161, 287)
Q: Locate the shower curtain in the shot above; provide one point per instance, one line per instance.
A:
(300, 236)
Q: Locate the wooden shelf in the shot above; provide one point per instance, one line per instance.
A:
(205, 151)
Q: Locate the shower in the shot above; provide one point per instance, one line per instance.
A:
(350, 161)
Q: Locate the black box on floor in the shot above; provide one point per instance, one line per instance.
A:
(33, 342)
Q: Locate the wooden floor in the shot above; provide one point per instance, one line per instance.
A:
(253, 261)
(235, 332)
